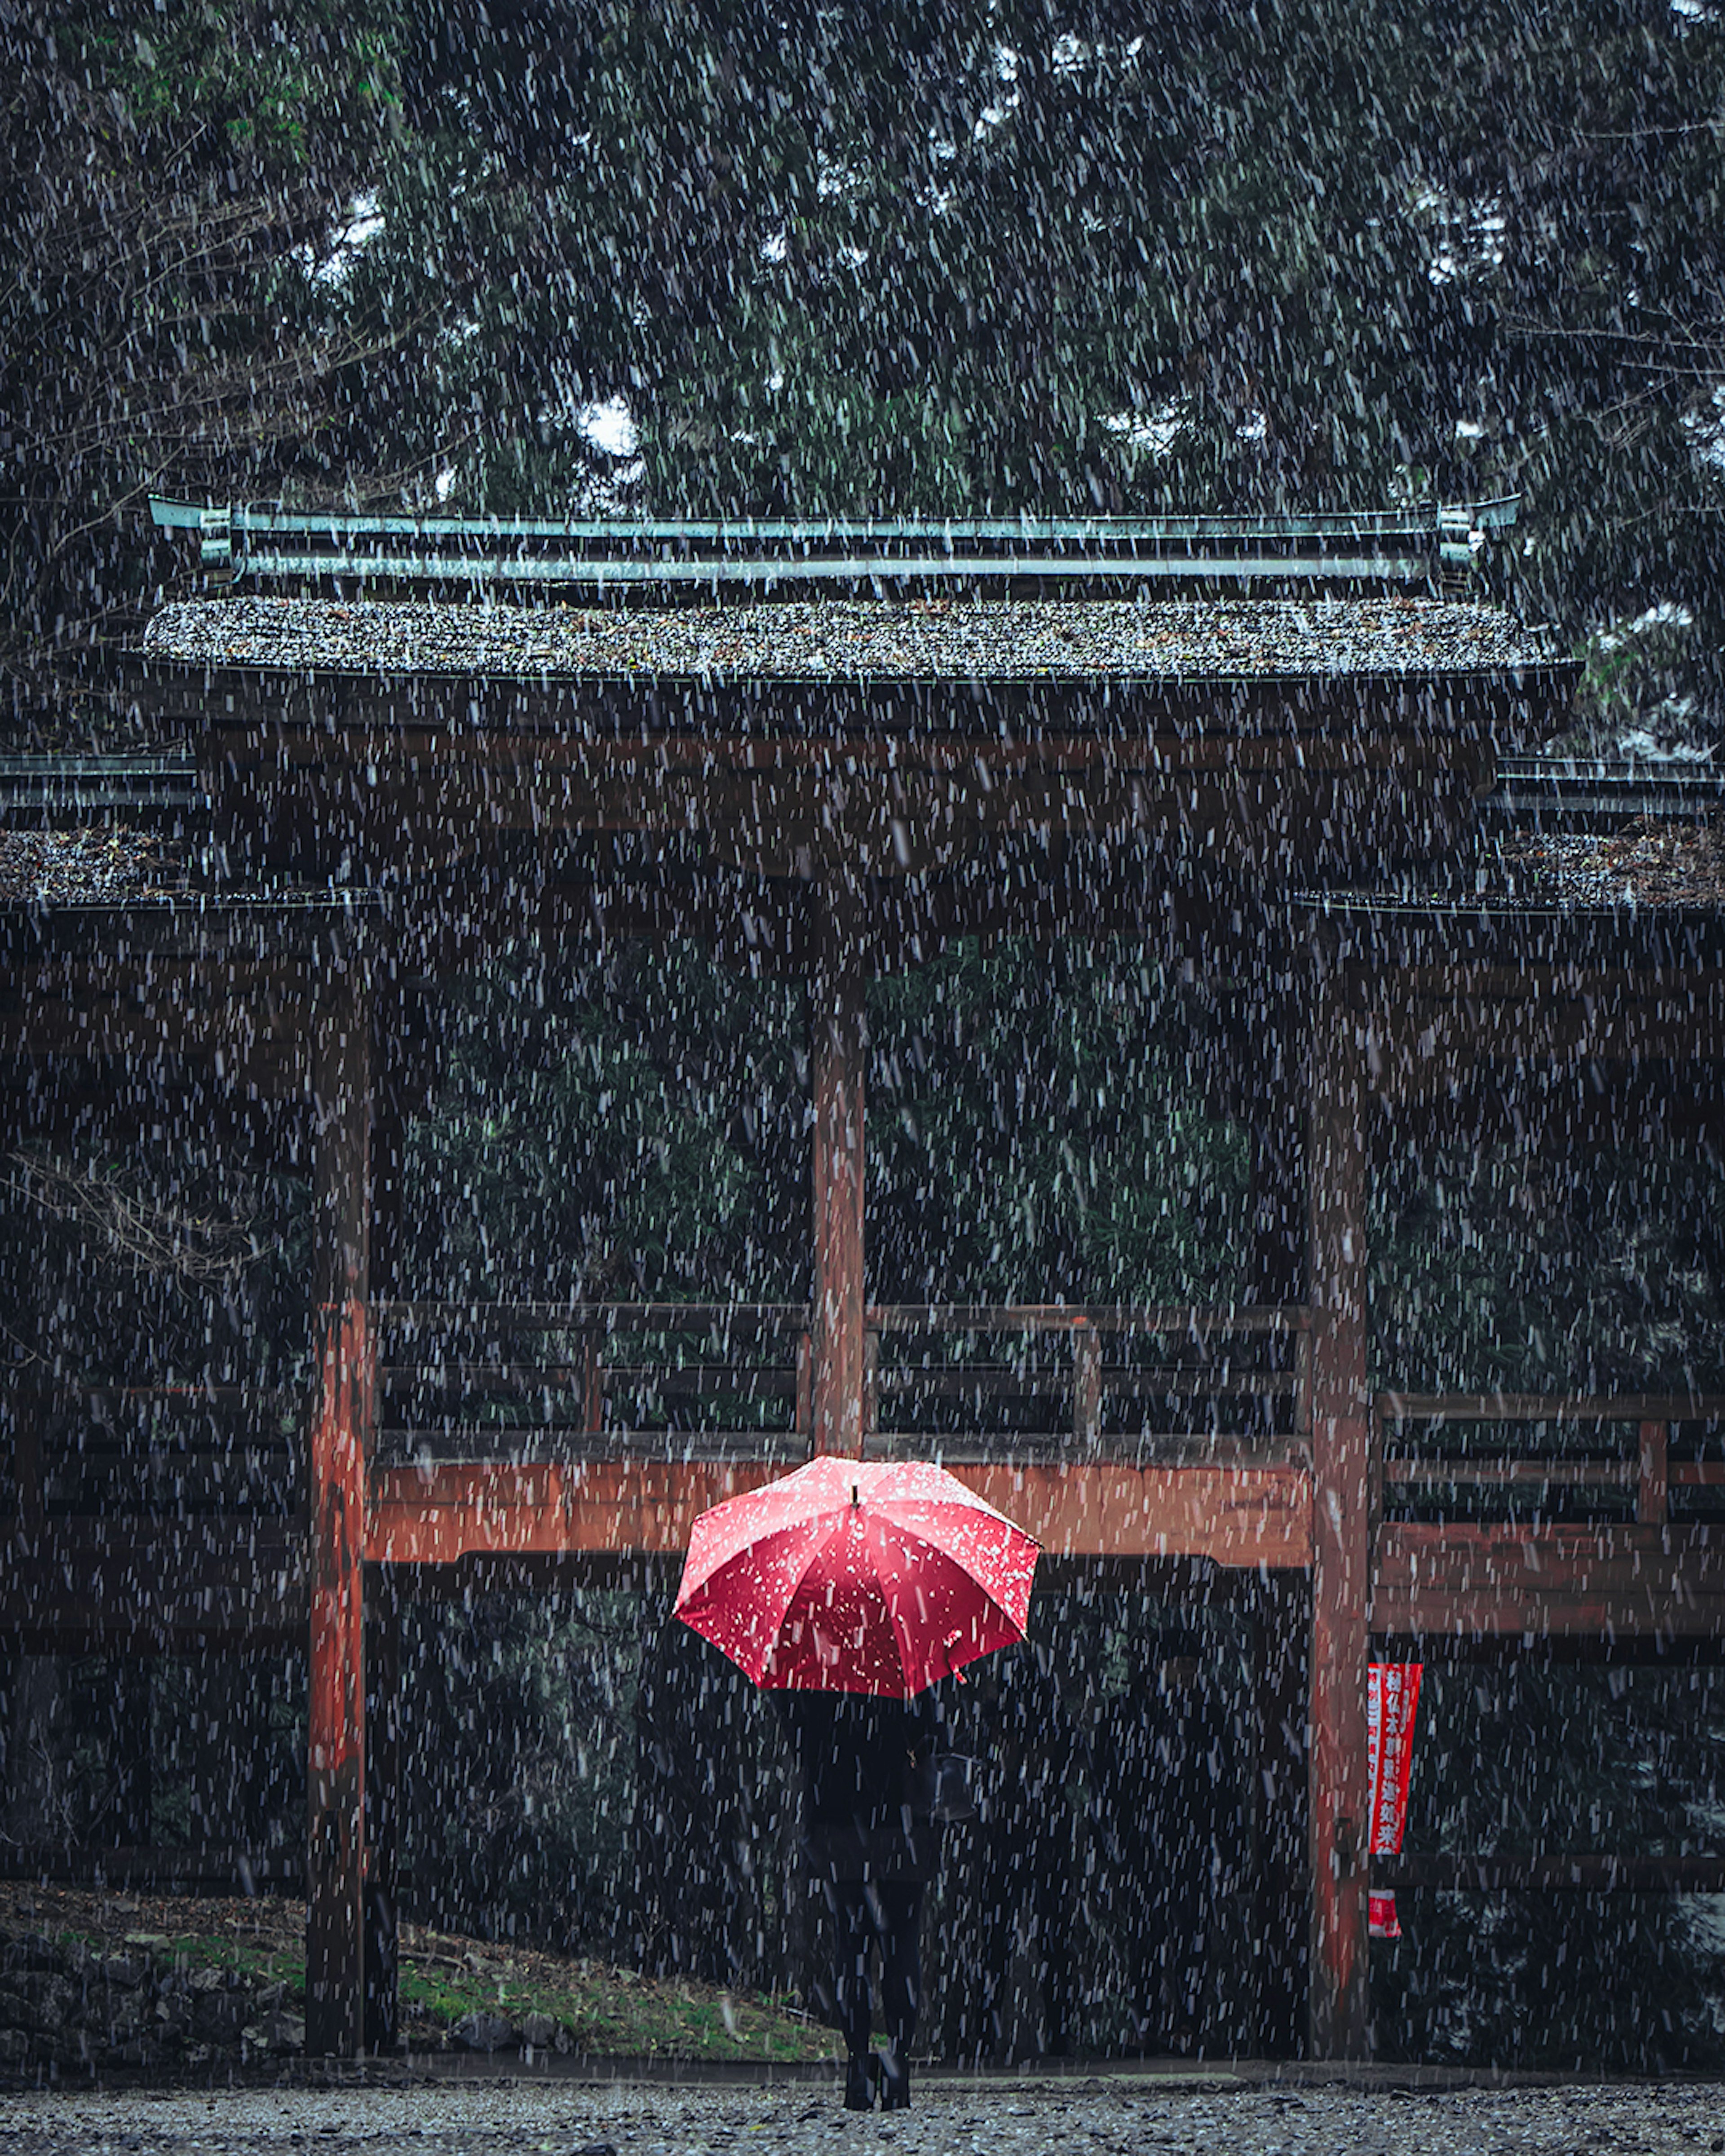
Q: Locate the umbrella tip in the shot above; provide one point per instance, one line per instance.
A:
(856, 1493)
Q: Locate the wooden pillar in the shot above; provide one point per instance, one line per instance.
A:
(1341, 1537)
(383, 1816)
(1086, 1387)
(1653, 1506)
(839, 1377)
(340, 1424)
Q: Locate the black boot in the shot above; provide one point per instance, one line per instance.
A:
(859, 2083)
(894, 2082)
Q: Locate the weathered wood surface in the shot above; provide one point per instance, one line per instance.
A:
(73, 1584)
(337, 1460)
(1259, 774)
(276, 703)
(439, 1514)
(1343, 1433)
(838, 1327)
(1425, 1024)
(1554, 1581)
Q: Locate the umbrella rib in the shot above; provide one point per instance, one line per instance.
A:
(818, 1546)
(901, 1633)
(932, 1557)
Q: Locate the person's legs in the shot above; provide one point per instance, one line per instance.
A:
(1052, 1935)
(853, 1935)
(897, 1911)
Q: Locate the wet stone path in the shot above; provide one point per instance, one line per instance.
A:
(1073, 2117)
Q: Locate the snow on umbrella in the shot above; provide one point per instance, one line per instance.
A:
(852, 1575)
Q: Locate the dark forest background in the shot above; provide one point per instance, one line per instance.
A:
(998, 255)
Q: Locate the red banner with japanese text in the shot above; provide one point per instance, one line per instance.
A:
(1392, 1696)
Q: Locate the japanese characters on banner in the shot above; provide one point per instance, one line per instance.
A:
(1392, 1694)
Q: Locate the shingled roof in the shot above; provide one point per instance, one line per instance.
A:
(943, 639)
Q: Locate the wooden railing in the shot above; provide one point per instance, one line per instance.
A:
(1611, 1456)
(498, 1380)
(527, 1381)
(154, 1450)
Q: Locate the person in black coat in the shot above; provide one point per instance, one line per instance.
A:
(870, 1838)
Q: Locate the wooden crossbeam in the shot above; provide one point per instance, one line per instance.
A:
(1469, 711)
(821, 826)
(1473, 1579)
(153, 1585)
(275, 755)
(439, 1515)
(1545, 1871)
(1426, 1029)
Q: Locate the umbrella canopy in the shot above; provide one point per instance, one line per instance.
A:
(854, 1575)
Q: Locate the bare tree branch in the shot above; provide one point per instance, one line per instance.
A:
(167, 1240)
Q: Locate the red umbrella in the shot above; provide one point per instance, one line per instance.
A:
(854, 1575)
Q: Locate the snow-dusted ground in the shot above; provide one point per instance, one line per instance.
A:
(951, 2117)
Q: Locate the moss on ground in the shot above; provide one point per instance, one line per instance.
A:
(600, 2008)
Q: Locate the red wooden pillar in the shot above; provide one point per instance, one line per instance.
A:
(341, 1424)
(839, 1378)
(1341, 1537)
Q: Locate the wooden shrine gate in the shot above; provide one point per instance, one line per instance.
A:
(833, 830)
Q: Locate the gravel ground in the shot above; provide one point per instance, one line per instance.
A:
(1008, 639)
(951, 2119)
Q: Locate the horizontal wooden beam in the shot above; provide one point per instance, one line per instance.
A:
(1550, 1407)
(1554, 1581)
(69, 1584)
(77, 1583)
(267, 754)
(1416, 1039)
(1472, 710)
(1575, 1474)
(439, 1514)
(1551, 1871)
(806, 826)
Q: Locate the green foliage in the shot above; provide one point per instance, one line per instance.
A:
(612, 2013)
(1038, 1132)
(175, 179)
(630, 1128)
(637, 1128)
(519, 1757)
(205, 68)
(1008, 256)
(1499, 1267)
